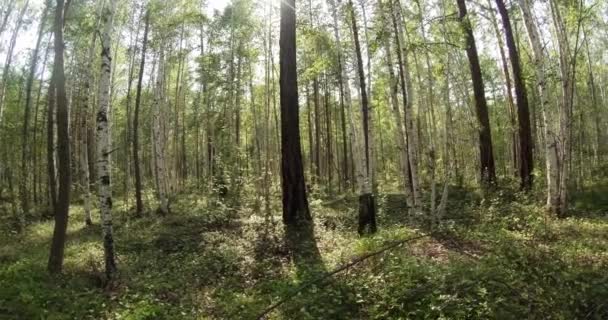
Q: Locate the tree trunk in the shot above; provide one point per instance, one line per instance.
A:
(344, 92)
(103, 143)
(526, 164)
(367, 201)
(488, 171)
(400, 136)
(551, 143)
(295, 203)
(25, 146)
(63, 201)
(408, 98)
(138, 197)
(158, 137)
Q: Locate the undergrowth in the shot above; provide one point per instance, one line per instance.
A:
(494, 257)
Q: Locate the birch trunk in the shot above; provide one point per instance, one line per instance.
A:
(400, 136)
(408, 98)
(551, 142)
(103, 142)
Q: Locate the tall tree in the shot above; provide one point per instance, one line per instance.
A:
(158, 136)
(25, 146)
(551, 156)
(9, 57)
(295, 203)
(367, 201)
(526, 164)
(55, 263)
(103, 141)
(142, 63)
(488, 171)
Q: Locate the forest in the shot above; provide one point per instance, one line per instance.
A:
(319, 159)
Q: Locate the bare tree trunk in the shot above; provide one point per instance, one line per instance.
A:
(63, 201)
(526, 161)
(408, 98)
(295, 203)
(158, 137)
(551, 143)
(103, 142)
(488, 171)
(344, 91)
(138, 197)
(367, 201)
(508, 90)
(400, 136)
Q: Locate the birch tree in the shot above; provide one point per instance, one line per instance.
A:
(103, 141)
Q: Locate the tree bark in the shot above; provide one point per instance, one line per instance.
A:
(295, 203)
(63, 201)
(526, 162)
(487, 167)
(158, 137)
(138, 197)
(551, 143)
(103, 142)
(367, 201)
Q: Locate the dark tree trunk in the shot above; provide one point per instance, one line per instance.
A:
(50, 146)
(526, 163)
(63, 202)
(317, 174)
(488, 171)
(295, 203)
(367, 206)
(138, 201)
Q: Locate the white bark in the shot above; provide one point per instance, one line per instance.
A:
(551, 144)
(103, 141)
(400, 137)
(410, 123)
(563, 147)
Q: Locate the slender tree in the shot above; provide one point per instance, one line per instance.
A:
(142, 63)
(63, 144)
(25, 146)
(488, 171)
(367, 201)
(103, 141)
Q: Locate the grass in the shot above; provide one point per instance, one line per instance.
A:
(503, 258)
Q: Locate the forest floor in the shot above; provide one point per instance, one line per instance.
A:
(500, 258)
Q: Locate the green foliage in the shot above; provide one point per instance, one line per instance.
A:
(498, 258)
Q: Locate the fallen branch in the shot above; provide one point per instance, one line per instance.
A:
(337, 270)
